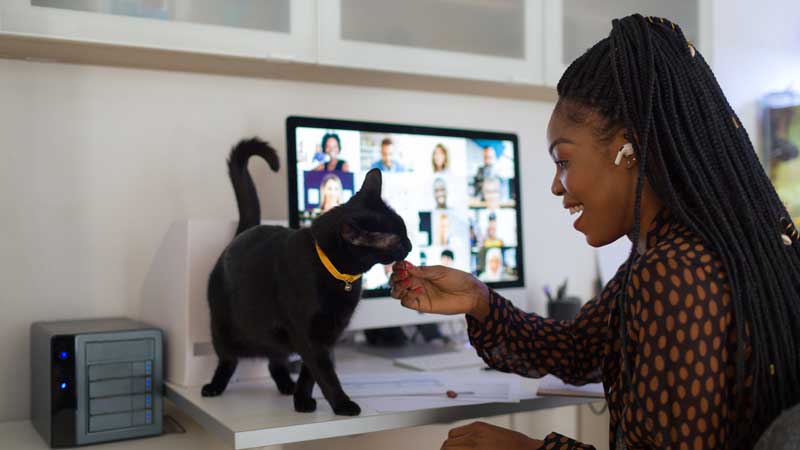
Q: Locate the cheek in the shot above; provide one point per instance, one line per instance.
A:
(579, 182)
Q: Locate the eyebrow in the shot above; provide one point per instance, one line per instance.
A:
(558, 141)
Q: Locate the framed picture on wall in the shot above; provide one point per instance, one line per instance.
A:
(781, 149)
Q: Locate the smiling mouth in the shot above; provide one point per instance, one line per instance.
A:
(577, 209)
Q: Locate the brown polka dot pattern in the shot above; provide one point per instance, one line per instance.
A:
(681, 346)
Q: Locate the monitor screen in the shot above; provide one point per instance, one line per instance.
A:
(781, 147)
(456, 190)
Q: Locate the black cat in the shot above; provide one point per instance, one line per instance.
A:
(271, 295)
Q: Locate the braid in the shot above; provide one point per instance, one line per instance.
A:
(648, 79)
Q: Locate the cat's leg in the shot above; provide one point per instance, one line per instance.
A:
(303, 402)
(321, 367)
(222, 376)
(279, 369)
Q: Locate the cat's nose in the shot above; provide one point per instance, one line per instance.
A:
(402, 250)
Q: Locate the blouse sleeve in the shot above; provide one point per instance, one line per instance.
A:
(511, 340)
(680, 343)
(555, 441)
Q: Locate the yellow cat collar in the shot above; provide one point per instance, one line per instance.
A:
(348, 279)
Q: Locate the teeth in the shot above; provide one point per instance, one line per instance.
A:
(575, 209)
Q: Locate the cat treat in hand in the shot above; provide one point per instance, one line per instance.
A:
(275, 291)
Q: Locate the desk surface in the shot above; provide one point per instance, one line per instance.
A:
(254, 414)
(20, 435)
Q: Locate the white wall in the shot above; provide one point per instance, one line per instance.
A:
(756, 52)
(95, 163)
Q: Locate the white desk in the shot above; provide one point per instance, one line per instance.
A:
(20, 435)
(254, 414)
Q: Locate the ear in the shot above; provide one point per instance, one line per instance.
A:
(372, 184)
(620, 148)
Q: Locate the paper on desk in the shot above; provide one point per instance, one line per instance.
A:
(401, 404)
(552, 385)
(395, 392)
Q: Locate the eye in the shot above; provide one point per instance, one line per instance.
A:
(562, 164)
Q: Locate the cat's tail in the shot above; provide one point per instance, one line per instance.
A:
(246, 195)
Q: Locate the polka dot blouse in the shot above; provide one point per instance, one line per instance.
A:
(681, 346)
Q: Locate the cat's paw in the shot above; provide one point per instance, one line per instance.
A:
(210, 390)
(286, 388)
(347, 408)
(305, 404)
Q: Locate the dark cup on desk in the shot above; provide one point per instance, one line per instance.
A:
(564, 310)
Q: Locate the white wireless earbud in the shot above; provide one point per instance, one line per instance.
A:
(626, 150)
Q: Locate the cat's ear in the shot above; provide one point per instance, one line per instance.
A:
(372, 185)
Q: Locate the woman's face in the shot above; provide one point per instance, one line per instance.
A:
(587, 178)
(438, 158)
(332, 147)
(494, 263)
(332, 195)
(440, 194)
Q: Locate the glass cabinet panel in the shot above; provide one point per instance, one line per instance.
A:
(497, 40)
(493, 28)
(267, 15)
(587, 21)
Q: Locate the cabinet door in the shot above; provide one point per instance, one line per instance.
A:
(498, 40)
(281, 29)
(573, 26)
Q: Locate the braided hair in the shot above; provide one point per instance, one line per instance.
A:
(648, 80)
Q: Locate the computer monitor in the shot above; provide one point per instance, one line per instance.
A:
(781, 147)
(458, 192)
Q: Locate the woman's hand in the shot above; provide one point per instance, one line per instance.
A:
(480, 435)
(439, 290)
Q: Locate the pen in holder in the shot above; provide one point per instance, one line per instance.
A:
(562, 307)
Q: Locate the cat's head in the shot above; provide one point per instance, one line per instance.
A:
(365, 230)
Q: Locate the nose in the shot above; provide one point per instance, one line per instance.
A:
(402, 250)
(557, 188)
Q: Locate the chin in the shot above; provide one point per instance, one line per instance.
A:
(598, 241)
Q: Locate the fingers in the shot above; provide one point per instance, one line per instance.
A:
(411, 295)
(428, 272)
(464, 442)
(464, 437)
(464, 429)
(416, 299)
(404, 268)
(399, 286)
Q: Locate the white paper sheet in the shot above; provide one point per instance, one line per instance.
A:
(393, 392)
(551, 385)
(401, 404)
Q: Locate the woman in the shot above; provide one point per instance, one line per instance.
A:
(332, 146)
(494, 265)
(440, 193)
(330, 192)
(696, 339)
(439, 158)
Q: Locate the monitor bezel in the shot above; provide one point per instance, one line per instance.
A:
(294, 122)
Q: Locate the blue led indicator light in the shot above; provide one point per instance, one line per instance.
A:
(63, 356)
(63, 386)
